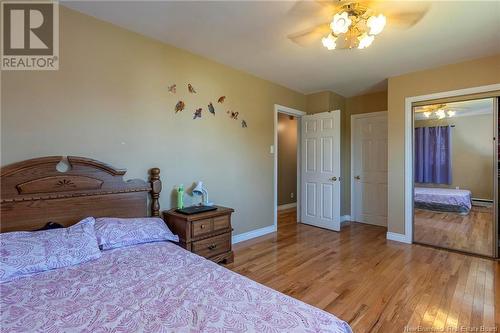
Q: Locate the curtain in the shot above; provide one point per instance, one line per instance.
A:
(433, 155)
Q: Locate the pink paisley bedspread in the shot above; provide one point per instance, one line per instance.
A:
(155, 287)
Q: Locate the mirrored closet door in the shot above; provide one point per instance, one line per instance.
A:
(455, 173)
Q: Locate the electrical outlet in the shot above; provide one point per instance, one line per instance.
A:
(292, 195)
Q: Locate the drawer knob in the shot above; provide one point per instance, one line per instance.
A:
(212, 247)
(202, 226)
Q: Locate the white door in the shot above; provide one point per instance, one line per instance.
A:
(369, 168)
(320, 176)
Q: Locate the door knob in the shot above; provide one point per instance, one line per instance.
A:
(333, 179)
(357, 177)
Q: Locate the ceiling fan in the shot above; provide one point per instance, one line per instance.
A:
(354, 24)
(439, 111)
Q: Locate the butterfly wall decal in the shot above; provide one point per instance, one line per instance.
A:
(197, 113)
(179, 106)
(233, 115)
(191, 89)
(211, 108)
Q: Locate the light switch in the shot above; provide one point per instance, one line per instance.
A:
(271, 149)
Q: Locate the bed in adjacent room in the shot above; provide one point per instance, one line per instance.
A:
(443, 199)
(150, 286)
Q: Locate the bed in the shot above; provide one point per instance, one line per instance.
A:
(443, 199)
(152, 287)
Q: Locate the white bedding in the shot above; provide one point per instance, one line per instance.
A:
(443, 198)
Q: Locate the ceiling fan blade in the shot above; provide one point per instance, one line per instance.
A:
(400, 14)
(312, 35)
(405, 20)
(333, 5)
(322, 10)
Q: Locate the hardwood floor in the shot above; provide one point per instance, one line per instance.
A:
(288, 216)
(374, 284)
(471, 233)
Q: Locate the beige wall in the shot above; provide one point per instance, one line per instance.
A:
(468, 74)
(109, 101)
(472, 153)
(318, 102)
(324, 101)
(327, 100)
(287, 159)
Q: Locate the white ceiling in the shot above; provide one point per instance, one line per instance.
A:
(251, 36)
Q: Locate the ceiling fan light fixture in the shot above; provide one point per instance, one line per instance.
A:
(427, 114)
(440, 114)
(376, 24)
(341, 23)
(330, 42)
(365, 40)
(451, 113)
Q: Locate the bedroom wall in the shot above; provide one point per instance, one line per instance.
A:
(287, 159)
(472, 153)
(467, 74)
(109, 101)
(324, 101)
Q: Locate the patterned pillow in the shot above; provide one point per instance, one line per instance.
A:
(26, 252)
(114, 232)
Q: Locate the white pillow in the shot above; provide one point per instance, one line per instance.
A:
(27, 252)
(114, 232)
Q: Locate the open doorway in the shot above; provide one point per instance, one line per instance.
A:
(286, 149)
(287, 168)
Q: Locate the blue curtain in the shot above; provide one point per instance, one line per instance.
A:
(433, 155)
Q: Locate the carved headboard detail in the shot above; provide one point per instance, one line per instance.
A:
(34, 192)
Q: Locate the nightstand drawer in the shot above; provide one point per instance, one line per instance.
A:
(221, 222)
(213, 246)
(201, 227)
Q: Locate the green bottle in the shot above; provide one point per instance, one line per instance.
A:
(180, 196)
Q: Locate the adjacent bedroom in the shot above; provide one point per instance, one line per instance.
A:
(454, 164)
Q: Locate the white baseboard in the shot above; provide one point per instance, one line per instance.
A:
(287, 206)
(345, 218)
(402, 238)
(253, 233)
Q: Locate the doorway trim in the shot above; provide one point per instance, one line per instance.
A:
(407, 237)
(292, 112)
(359, 116)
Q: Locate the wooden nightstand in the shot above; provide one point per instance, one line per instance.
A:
(206, 234)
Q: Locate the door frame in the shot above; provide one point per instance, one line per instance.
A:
(296, 113)
(354, 117)
(407, 237)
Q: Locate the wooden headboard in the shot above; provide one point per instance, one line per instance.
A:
(34, 192)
